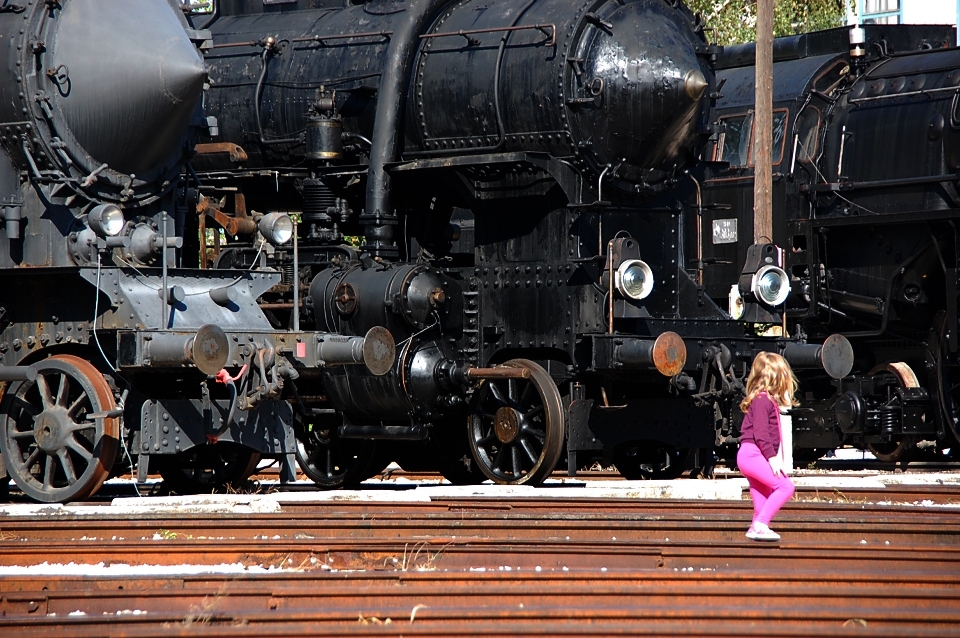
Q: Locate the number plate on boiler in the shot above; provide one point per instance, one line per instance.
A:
(725, 231)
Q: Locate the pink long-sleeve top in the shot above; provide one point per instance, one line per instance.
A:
(761, 425)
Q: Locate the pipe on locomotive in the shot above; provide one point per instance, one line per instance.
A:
(385, 127)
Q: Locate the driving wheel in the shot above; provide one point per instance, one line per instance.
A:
(55, 446)
(894, 451)
(516, 426)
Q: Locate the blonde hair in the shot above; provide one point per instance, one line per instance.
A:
(771, 373)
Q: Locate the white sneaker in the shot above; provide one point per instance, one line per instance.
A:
(760, 532)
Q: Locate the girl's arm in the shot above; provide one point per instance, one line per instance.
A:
(766, 425)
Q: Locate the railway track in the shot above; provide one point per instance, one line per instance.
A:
(487, 566)
(536, 604)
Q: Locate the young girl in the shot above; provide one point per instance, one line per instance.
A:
(770, 386)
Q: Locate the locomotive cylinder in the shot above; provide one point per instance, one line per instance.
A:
(400, 298)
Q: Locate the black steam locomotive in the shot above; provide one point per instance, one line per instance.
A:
(113, 352)
(866, 160)
(515, 175)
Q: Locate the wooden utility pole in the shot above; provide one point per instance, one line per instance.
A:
(763, 126)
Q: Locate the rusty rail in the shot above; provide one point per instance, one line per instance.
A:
(536, 567)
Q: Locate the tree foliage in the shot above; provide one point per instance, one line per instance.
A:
(735, 21)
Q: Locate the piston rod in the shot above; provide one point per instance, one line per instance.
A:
(18, 373)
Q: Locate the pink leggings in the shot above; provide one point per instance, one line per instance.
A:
(769, 492)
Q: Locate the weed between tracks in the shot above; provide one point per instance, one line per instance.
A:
(203, 614)
(836, 496)
(248, 487)
(373, 620)
(412, 556)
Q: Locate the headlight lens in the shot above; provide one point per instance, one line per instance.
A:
(771, 285)
(106, 220)
(276, 228)
(634, 279)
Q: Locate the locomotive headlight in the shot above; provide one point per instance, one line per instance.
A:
(106, 220)
(771, 285)
(276, 228)
(634, 279)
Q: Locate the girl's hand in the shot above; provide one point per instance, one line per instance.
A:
(776, 465)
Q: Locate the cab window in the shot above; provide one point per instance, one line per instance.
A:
(734, 142)
(779, 133)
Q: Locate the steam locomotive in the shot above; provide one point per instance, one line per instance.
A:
(865, 192)
(516, 176)
(114, 353)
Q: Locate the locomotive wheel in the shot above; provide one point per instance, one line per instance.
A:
(52, 450)
(332, 462)
(650, 460)
(206, 469)
(516, 428)
(895, 450)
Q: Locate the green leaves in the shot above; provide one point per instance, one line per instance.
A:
(735, 21)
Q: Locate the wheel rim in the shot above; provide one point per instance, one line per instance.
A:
(52, 452)
(650, 460)
(331, 462)
(208, 468)
(516, 428)
(894, 451)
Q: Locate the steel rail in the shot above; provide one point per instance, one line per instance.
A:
(421, 604)
(458, 553)
(712, 521)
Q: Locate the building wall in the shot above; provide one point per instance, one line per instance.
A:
(906, 12)
(930, 11)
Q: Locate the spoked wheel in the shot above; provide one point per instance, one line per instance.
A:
(895, 450)
(516, 428)
(650, 460)
(53, 449)
(206, 469)
(331, 462)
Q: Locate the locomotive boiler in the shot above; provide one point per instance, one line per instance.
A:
(498, 184)
(866, 155)
(113, 353)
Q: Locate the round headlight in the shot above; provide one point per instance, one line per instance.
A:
(276, 228)
(106, 220)
(771, 285)
(634, 279)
